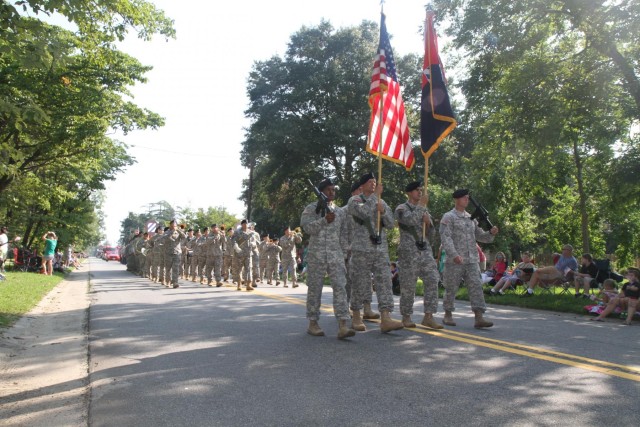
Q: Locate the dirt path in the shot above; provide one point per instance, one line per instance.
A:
(43, 359)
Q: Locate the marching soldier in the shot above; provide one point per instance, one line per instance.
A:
(140, 251)
(370, 253)
(367, 296)
(262, 254)
(195, 251)
(273, 261)
(201, 253)
(157, 267)
(288, 255)
(187, 254)
(213, 246)
(416, 256)
(173, 239)
(326, 256)
(242, 258)
(255, 254)
(227, 260)
(459, 235)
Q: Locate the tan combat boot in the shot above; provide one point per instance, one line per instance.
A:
(387, 324)
(343, 330)
(356, 322)
(193, 279)
(448, 318)
(239, 287)
(407, 322)
(218, 284)
(315, 329)
(429, 322)
(248, 285)
(295, 285)
(480, 322)
(368, 313)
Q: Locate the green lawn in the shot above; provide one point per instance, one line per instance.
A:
(20, 292)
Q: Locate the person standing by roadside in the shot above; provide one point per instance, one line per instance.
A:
(288, 256)
(459, 234)
(50, 243)
(4, 247)
(415, 254)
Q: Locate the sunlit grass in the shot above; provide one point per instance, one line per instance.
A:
(20, 292)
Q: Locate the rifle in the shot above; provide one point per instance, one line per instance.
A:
(480, 213)
(323, 203)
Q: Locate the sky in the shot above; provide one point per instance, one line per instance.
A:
(198, 84)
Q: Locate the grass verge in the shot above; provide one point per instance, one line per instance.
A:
(20, 292)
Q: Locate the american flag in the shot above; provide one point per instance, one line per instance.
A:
(396, 144)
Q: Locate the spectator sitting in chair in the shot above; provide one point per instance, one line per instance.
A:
(563, 270)
(522, 272)
(498, 269)
(585, 275)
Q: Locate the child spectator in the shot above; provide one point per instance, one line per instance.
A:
(608, 292)
(627, 299)
(521, 273)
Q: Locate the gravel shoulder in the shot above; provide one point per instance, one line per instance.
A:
(43, 359)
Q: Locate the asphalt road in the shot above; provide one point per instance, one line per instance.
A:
(201, 356)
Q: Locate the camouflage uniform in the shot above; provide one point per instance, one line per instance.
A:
(262, 255)
(366, 257)
(157, 267)
(288, 256)
(227, 257)
(201, 255)
(213, 248)
(255, 256)
(415, 262)
(325, 256)
(350, 224)
(173, 241)
(140, 255)
(459, 235)
(241, 241)
(188, 256)
(272, 253)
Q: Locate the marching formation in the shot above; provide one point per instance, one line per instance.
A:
(349, 245)
(346, 244)
(213, 256)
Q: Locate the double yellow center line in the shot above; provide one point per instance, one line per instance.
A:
(601, 366)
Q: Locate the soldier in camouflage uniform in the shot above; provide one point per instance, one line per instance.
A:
(255, 254)
(173, 240)
(155, 257)
(288, 256)
(367, 296)
(158, 256)
(187, 253)
(194, 247)
(272, 252)
(459, 235)
(326, 256)
(227, 257)
(370, 253)
(416, 256)
(213, 245)
(262, 254)
(140, 251)
(201, 253)
(242, 258)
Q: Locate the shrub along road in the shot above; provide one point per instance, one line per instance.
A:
(215, 356)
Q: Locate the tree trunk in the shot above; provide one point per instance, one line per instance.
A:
(584, 216)
(250, 189)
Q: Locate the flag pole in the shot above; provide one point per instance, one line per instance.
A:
(380, 130)
(429, 9)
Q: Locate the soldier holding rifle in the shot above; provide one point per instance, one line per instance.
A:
(459, 233)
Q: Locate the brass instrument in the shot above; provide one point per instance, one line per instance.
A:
(183, 226)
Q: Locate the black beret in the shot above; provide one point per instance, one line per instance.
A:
(355, 186)
(365, 178)
(244, 221)
(324, 184)
(413, 186)
(460, 193)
